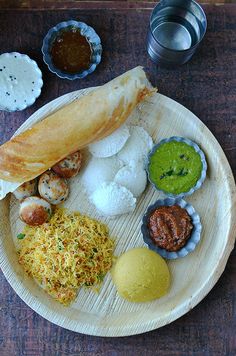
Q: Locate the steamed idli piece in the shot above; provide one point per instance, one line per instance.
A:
(137, 146)
(132, 177)
(111, 144)
(141, 275)
(112, 199)
(98, 171)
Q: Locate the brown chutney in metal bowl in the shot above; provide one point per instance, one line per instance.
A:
(170, 227)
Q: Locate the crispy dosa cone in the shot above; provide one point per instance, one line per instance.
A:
(73, 127)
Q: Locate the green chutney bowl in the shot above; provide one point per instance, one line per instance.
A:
(196, 184)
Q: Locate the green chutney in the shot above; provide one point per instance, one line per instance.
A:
(175, 167)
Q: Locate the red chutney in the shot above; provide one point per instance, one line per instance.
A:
(170, 227)
(71, 52)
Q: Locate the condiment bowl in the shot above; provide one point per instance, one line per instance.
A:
(20, 81)
(195, 233)
(203, 161)
(86, 31)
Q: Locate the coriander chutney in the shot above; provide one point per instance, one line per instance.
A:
(175, 167)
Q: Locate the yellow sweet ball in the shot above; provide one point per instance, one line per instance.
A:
(141, 275)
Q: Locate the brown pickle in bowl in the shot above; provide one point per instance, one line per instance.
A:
(170, 227)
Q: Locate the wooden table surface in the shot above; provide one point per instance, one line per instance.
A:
(207, 86)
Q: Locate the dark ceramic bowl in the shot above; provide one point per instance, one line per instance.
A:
(85, 30)
(203, 160)
(191, 242)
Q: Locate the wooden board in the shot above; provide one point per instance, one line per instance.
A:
(106, 314)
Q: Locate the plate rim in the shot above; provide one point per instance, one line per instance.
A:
(178, 311)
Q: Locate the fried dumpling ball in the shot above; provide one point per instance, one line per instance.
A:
(69, 166)
(53, 188)
(27, 189)
(35, 211)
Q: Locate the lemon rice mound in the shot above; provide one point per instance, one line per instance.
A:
(69, 252)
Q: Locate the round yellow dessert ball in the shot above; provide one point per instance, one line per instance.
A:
(141, 275)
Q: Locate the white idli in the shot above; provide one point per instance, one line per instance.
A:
(98, 171)
(111, 144)
(112, 199)
(137, 146)
(132, 177)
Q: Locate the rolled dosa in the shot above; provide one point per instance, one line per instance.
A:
(87, 119)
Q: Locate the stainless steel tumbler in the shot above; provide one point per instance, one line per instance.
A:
(176, 29)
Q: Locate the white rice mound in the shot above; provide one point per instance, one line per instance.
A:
(133, 177)
(111, 144)
(137, 146)
(112, 199)
(98, 171)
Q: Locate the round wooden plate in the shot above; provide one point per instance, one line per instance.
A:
(106, 314)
